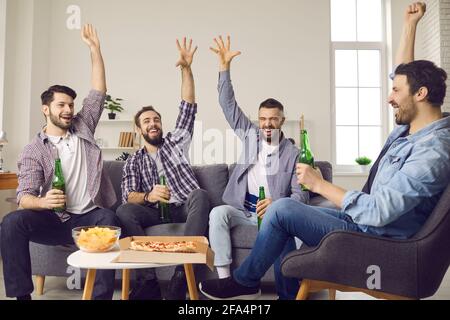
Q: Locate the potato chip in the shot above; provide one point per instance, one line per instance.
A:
(97, 239)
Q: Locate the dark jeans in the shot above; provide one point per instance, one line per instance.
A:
(135, 218)
(44, 227)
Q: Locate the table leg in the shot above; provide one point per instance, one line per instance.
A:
(190, 278)
(125, 284)
(89, 285)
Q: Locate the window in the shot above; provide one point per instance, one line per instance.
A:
(359, 80)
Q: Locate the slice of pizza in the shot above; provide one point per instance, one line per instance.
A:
(159, 246)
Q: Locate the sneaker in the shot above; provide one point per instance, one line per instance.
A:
(176, 290)
(228, 289)
(147, 290)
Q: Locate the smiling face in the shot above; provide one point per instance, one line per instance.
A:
(270, 119)
(60, 111)
(150, 127)
(402, 101)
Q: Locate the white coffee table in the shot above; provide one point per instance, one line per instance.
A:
(102, 261)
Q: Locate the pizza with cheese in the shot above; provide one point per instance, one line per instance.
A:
(159, 246)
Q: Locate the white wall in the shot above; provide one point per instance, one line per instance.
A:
(281, 58)
(435, 33)
(26, 72)
(285, 45)
(2, 56)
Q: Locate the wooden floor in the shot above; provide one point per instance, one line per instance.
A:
(56, 289)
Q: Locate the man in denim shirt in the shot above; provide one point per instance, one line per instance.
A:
(404, 187)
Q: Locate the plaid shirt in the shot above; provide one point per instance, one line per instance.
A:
(37, 160)
(140, 173)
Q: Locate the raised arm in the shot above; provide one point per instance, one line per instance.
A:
(187, 78)
(93, 105)
(413, 14)
(184, 127)
(89, 36)
(237, 120)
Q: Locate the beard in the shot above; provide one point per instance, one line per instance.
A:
(56, 121)
(405, 115)
(157, 141)
(274, 134)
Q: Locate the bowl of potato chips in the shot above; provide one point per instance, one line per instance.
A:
(96, 238)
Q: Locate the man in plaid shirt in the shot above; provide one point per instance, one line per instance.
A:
(141, 191)
(71, 138)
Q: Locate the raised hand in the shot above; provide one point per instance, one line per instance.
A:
(89, 36)
(186, 54)
(414, 12)
(224, 53)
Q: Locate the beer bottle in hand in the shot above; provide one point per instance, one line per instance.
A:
(305, 156)
(164, 207)
(262, 196)
(58, 181)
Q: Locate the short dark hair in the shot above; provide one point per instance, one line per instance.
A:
(423, 73)
(48, 96)
(140, 112)
(271, 104)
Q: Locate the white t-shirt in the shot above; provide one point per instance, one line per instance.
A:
(257, 175)
(74, 166)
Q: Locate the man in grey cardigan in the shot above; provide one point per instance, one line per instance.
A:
(268, 160)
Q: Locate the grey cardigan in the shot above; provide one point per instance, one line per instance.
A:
(282, 180)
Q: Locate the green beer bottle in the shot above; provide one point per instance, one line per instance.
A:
(262, 196)
(58, 181)
(305, 156)
(164, 207)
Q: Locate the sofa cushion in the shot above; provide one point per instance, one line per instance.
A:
(173, 229)
(243, 236)
(325, 168)
(114, 171)
(213, 179)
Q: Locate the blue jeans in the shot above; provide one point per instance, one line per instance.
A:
(285, 219)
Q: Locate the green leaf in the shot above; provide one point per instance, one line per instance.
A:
(363, 161)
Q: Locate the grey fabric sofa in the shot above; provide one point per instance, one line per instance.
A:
(51, 260)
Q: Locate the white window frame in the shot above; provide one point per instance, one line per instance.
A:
(383, 48)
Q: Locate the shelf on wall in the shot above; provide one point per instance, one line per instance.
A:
(116, 120)
(117, 148)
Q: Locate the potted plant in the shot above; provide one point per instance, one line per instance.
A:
(113, 105)
(364, 163)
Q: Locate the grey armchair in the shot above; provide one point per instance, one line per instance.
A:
(408, 269)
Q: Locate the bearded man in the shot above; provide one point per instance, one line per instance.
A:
(141, 189)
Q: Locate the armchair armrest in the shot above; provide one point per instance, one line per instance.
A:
(344, 257)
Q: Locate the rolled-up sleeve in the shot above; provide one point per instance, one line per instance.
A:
(30, 175)
(424, 175)
(92, 110)
(131, 178)
(184, 127)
